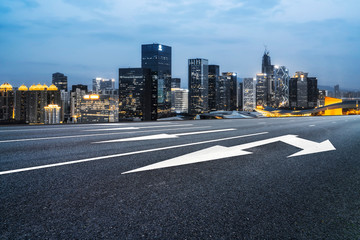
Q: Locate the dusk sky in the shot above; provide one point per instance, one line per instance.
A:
(85, 39)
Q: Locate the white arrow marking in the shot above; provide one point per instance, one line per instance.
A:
(219, 152)
(164, 136)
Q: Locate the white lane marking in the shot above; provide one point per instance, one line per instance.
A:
(164, 136)
(154, 126)
(124, 154)
(311, 125)
(220, 152)
(95, 134)
(74, 126)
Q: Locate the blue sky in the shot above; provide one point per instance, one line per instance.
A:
(85, 39)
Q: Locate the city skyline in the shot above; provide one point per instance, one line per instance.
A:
(89, 39)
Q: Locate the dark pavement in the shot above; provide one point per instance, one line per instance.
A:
(78, 190)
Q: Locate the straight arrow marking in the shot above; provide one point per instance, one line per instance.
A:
(220, 152)
(164, 136)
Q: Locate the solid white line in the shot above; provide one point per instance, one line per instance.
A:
(92, 135)
(154, 126)
(311, 125)
(124, 154)
(201, 132)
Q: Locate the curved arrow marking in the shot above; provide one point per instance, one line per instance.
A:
(220, 152)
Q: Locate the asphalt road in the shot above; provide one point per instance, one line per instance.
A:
(69, 182)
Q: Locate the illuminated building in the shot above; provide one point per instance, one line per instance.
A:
(101, 85)
(52, 114)
(6, 103)
(249, 94)
(214, 75)
(21, 100)
(39, 97)
(231, 92)
(76, 96)
(267, 85)
(175, 83)
(157, 58)
(281, 79)
(96, 108)
(198, 85)
(303, 92)
(262, 90)
(137, 94)
(60, 81)
(180, 100)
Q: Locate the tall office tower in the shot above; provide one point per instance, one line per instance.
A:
(240, 96)
(223, 94)
(6, 103)
(180, 100)
(262, 90)
(249, 94)
(303, 92)
(137, 94)
(95, 108)
(281, 77)
(232, 91)
(214, 74)
(175, 83)
(39, 97)
(268, 69)
(337, 93)
(198, 85)
(60, 81)
(101, 85)
(157, 57)
(21, 102)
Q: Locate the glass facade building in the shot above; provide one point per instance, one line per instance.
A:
(281, 77)
(137, 94)
(157, 58)
(198, 85)
(214, 75)
(60, 81)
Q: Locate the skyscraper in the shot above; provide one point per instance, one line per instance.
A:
(137, 94)
(262, 89)
(198, 85)
(157, 58)
(303, 92)
(269, 87)
(231, 78)
(214, 74)
(60, 81)
(249, 94)
(281, 77)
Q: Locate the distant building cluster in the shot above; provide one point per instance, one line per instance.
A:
(150, 92)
